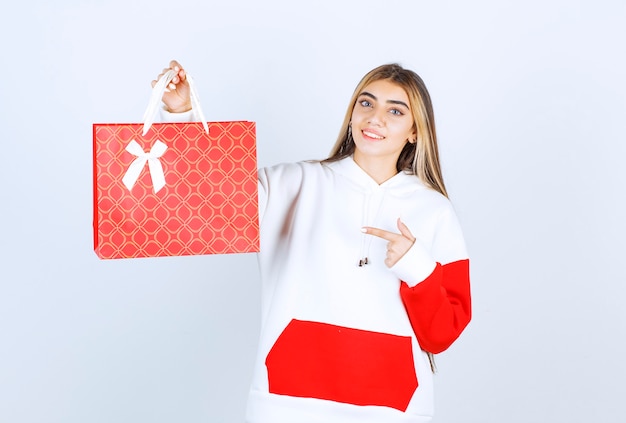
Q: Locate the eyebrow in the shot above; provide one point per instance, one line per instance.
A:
(372, 96)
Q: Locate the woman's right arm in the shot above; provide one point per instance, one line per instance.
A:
(177, 101)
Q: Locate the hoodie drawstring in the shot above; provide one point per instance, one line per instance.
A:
(366, 240)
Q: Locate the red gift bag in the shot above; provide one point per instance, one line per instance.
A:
(176, 190)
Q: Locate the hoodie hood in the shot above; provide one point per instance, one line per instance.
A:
(401, 184)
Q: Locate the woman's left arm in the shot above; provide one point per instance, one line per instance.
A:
(435, 287)
(439, 307)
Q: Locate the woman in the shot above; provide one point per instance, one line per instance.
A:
(364, 269)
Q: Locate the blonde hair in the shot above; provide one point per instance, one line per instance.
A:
(420, 158)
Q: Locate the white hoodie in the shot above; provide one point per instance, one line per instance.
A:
(343, 343)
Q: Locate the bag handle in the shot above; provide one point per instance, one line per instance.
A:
(157, 94)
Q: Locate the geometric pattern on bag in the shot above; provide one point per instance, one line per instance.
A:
(208, 205)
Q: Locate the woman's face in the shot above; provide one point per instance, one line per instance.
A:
(382, 123)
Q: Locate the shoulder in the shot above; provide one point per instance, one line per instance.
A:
(291, 169)
(411, 186)
(290, 174)
(425, 201)
(441, 206)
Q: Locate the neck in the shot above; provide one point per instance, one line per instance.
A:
(380, 170)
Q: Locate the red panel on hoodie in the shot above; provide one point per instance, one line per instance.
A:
(319, 360)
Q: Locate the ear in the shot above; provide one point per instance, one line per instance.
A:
(413, 136)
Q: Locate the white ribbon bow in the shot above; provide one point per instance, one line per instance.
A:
(154, 165)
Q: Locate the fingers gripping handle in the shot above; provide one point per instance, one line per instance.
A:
(157, 93)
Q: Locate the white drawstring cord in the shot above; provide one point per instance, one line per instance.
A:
(364, 219)
(366, 239)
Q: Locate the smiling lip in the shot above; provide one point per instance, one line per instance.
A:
(368, 133)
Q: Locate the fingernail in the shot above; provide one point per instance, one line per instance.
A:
(166, 90)
(172, 87)
(176, 68)
(364, 230)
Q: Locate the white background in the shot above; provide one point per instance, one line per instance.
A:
(530, 102)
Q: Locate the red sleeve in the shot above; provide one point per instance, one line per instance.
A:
(439, 307)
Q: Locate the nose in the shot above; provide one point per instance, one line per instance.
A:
(377, 117)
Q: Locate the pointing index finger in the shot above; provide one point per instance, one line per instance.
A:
(381, 233)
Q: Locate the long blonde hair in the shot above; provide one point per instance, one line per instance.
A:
(420, 158)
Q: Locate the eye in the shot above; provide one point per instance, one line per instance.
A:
(396, 112)
(365, 103)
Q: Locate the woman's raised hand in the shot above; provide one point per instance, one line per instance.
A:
(177, 97)
(398, 243)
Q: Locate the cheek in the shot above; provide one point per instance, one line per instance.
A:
(356, 115)
(402, 130)
(410, 130)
